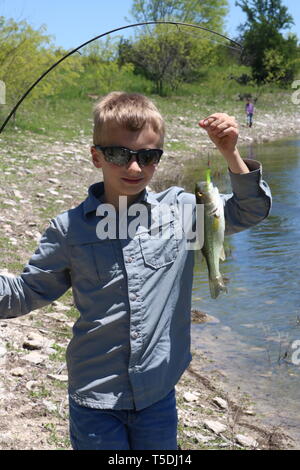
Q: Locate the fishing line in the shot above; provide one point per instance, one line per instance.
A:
(146, 23)
(215, 41)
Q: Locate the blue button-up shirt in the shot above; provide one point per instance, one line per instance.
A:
(131, 342)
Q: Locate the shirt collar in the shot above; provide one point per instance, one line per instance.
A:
(96, 197)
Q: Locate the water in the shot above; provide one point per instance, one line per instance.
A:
(259, 319)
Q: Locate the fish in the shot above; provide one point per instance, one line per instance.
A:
(214, 228)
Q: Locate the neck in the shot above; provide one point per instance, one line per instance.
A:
(120, 202)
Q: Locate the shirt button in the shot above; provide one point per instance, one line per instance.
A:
(133, 297)
(135, 334)
(129, 260)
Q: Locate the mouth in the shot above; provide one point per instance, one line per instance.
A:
(132, 180)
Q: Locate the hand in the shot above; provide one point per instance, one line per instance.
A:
(223, 132)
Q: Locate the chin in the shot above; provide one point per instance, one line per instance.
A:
(134, 188)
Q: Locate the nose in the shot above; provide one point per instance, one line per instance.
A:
(133, 165)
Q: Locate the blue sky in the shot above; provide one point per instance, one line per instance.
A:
(73, 22)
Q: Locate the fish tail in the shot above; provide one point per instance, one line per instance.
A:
(216, 286)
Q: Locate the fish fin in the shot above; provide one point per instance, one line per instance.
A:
(216, 286)
(222, 254)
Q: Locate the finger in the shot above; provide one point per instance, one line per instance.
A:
(223, 121)
(206, 122)
(220, 116)
(219, 127)
(227, 132)
(216, 119)
(215, 123)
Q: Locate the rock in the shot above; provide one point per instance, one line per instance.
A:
(49, 405)
(3, 350)
(215, 426)
(246, 441)
(34, 358)
(60, 306)
(197, 436)
(6, 437)
(198, 316)
(53, 180)
(59, 377)
(191, 422)
(53, 192)
(61, 317)
(9, 202)
(221, 403)
(188, 396)
(28, 233)
(202, 317)
(31, 385)
(17, 194)
(34, 341)
(17, 372)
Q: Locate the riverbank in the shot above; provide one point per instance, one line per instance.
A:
(34, 403)
(41, 177)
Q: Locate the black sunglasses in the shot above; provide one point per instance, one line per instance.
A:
(121, 156)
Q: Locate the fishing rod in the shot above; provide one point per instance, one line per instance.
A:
(235, 46)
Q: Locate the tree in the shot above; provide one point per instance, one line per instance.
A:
(102, 70)
(25, 53)
(262, 11)
(272, 56)
(170, 56)
(210, 13)
(166, 59)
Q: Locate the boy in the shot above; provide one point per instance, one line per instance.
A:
(131, 342)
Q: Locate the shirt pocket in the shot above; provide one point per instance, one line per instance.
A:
(95, 263)
(160, 247)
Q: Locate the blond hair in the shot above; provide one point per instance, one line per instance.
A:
(131, 111)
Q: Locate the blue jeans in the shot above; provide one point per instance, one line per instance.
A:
(250, 119)
(153, 428)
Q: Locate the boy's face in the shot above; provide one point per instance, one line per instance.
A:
(129, 180)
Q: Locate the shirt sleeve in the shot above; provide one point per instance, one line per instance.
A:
(45, 278)
(250, 201)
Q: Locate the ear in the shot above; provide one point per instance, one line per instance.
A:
(96, 158)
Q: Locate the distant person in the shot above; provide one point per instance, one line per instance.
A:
(249, 112)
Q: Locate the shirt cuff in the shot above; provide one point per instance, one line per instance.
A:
(249, 184)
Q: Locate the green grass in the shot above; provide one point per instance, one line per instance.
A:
(68, 116)
(177, 146)
(59, 355)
